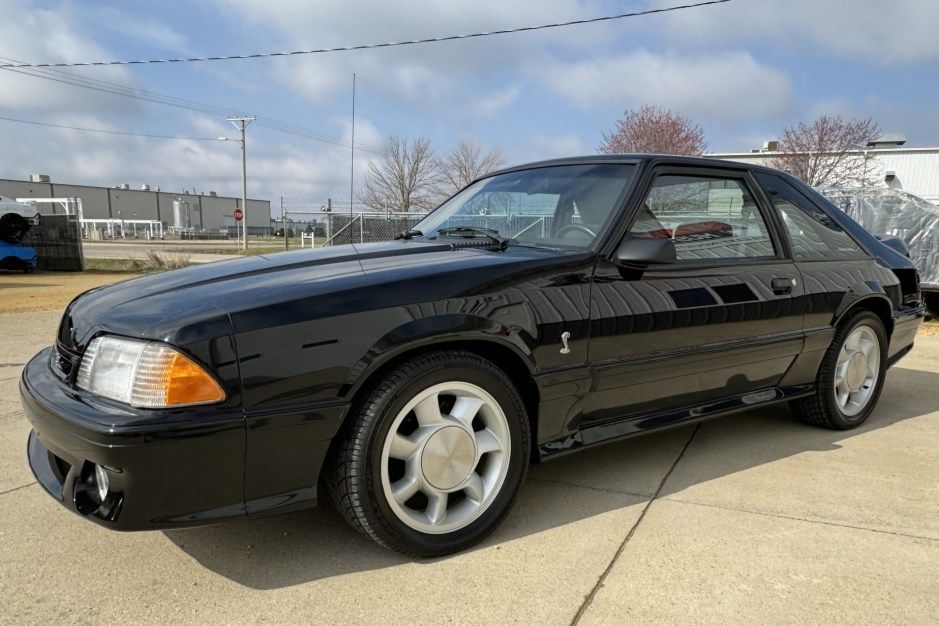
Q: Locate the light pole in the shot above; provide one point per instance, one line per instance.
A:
(241, 123)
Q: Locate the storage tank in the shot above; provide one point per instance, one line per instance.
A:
(181, 215)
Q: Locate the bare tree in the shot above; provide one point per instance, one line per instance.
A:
(831, 152)
(464, 163)
(655, 130)
(404, 178)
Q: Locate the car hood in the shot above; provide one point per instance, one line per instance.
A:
(258, 291)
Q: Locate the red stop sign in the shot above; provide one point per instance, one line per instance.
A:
(239, 215)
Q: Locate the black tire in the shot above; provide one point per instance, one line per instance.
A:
(13, 228)
(353, 471)
(822, 409)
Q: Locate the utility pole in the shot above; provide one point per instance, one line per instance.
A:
(352, 156)
(241, 123)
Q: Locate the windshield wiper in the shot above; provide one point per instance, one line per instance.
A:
(475, 231)
(409, 234)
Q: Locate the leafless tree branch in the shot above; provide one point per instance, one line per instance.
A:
(830, 152)
(405, 177)
(464, 163)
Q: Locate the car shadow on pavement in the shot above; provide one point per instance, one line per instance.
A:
(300, 547)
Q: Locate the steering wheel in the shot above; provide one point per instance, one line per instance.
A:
(575, 228)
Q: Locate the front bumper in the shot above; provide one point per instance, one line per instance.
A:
(182, 467)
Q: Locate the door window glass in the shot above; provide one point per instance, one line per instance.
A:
(814, 235)
(706, 218)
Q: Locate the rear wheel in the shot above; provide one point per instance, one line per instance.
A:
(432, 459)
(851, 375)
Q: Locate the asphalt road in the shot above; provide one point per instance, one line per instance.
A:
(751, 518)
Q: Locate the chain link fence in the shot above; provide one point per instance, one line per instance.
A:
(58, 242)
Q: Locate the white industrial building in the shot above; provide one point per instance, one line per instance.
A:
(914, 170)
(199, 212)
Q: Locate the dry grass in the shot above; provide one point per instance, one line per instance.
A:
(170, 259)
(154, 261)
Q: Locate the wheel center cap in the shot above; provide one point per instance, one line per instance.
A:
(857, 371)
(448, 457)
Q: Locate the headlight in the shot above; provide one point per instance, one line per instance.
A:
(145, 374)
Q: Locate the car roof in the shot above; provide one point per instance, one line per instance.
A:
(657, 159)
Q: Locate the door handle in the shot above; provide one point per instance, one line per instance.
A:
(782, 286)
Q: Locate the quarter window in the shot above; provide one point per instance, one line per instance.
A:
(706, 217)
(814, 235)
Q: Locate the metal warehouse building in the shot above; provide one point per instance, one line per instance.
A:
(914, 170)
(207, 211)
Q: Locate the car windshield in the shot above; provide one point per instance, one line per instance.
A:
(563, 206)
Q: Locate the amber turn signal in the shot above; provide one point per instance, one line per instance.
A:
(145, 374)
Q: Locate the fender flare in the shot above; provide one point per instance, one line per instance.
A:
(872, 291)
(429, 331)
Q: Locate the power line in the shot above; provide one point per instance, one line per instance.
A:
(108, 132)
(149, 96)
(369, 46)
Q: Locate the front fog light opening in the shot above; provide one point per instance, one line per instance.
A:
(102, 482)
(93, 493)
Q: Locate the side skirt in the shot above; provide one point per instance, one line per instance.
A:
(652, 421)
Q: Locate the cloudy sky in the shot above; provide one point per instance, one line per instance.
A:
(743, 70)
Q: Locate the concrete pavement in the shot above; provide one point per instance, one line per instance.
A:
(754, 517)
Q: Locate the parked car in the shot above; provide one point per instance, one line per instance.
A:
(418, 378)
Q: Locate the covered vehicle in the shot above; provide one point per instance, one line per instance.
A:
(15, 219)
(418, 378)
(901, 214)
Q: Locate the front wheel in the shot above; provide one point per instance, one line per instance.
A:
(431, 460)
(851, 375)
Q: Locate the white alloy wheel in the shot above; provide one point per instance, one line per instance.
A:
(857, 370)
(445, 457)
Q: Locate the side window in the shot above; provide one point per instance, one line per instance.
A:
(706, 217)
(813, 234)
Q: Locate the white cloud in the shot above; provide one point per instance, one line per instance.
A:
(41, 35)
(541, 147)
(879, 31)
(439, 71)
(832, 106)
(489, 104)
(277, 165)
(141, 29)
(712, 88)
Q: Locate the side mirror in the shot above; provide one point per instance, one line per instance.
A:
(643, 251)
(894, 242)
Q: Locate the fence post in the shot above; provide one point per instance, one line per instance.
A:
(283, 214)
(361, 234)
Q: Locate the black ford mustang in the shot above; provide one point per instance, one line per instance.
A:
(418, 378)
